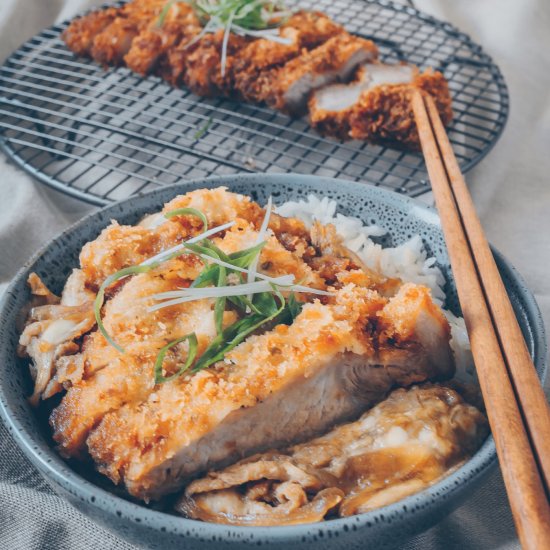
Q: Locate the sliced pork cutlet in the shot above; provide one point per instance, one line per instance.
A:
(285, 385)
(149, 48)
(111, 379)
(289, 87)
(198, 65)
(331, 107)
(114, 41)
(303, 31)
(79, 35)
(383, 113)
(401, 446)
(206, 72)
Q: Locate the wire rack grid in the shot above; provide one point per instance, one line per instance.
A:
(103, 135)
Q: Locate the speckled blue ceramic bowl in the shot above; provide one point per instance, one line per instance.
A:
(378, 529)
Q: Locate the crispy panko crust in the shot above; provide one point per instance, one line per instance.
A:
(257, 62)
(149, 48)
(79, 35)
(384, 114)
(342, 351)
(334, 60)
(114, 41)
(334, 123)
(203, 74)
(283, 75)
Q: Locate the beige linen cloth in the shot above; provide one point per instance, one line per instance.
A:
(511, 188)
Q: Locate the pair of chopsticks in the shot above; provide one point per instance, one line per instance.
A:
(517, 409)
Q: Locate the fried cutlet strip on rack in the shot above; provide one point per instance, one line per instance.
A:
(384, 114)
(114, 41)
(304, 30)
(150, 47)
(375, 105)
(288, 88)
(203, 65)
(79, 35)
(198, 65)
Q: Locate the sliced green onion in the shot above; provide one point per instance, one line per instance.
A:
(226, 34)
(188, 212)
(242, 259)
(100, 296)
(256, 18)
(191, 354)
(203, 129)
(219, 306)
(234, 334)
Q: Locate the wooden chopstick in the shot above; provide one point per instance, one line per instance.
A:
(518, 455)
(524, 377)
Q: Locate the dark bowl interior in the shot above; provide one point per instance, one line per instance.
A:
(403, 218)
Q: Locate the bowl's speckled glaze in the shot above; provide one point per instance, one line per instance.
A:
(381, 528)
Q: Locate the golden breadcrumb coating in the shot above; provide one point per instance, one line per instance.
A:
(149, 48)
(255, 64)
(384, 114)
(287, 89)
(114, 41)
(79, 35)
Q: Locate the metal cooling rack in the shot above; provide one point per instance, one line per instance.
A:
(105, 135)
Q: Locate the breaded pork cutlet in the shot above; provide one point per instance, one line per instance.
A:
(79, 35)
(179, 24)
(322, 369)
(198, 65)
(114, 41)
(339, 354)
(203, 73)
(375, 105)
(288, 88)
(384, 114)
(303, 30)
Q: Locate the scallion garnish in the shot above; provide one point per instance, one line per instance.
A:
(180, 248)
(203, 129)
(234, 334)
(261, 235)
(188, 212)
(98, 302)
(150, 264)
(191, 354)
(164, 12)
(255, 18)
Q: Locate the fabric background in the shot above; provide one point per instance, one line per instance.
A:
(511, 188)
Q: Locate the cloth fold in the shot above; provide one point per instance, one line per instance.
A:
(510, 188)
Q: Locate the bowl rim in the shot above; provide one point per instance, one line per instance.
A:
(51, 465)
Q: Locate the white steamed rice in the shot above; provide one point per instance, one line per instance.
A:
(408, 262)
